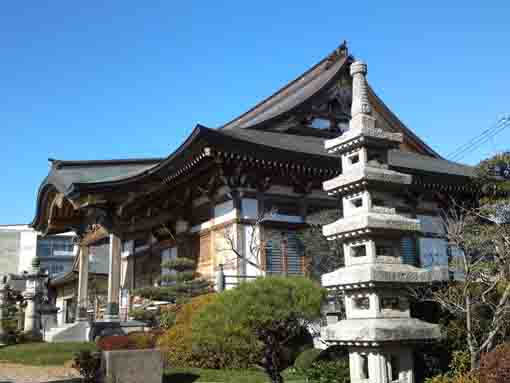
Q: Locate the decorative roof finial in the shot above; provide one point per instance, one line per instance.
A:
(342, 49)
(360, 103)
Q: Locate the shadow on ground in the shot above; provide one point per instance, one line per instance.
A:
(180, 377)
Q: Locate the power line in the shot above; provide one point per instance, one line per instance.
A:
(481, 139)
(466, 144)
(487, 132)
(480, 142)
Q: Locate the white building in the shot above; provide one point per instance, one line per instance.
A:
(19, 244)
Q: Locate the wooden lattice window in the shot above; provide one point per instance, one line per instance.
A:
(285, 255)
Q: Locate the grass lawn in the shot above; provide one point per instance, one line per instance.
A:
(198, 375)
(42, 354)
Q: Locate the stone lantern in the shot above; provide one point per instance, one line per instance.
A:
(33, 297)
(380, 263)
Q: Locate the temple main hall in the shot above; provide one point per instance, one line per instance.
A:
(266, 169)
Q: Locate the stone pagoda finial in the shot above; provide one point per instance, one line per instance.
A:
(360, 103)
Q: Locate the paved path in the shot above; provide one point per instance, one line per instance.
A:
(18, 373)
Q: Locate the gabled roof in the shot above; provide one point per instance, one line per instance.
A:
(309, 85)
(294, 93)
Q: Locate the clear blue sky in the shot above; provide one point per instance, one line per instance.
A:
(115, 79)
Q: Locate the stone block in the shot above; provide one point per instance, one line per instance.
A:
(383, 273)
(368, 221)
(358, 174)
(132, 366)
(381, 330)
(361, 128)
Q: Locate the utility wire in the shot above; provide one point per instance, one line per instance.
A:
(480, 142)
(470, 142)
(481, 139)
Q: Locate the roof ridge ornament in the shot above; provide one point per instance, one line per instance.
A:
(340, 52)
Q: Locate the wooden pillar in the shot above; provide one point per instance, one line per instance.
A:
(83, 279)
(112, 306)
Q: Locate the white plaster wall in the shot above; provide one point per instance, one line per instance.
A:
(252, 253)
(223, 248)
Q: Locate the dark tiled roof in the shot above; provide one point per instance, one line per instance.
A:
(66, 173)
(418, 162)
(294, 93)
(282, 141)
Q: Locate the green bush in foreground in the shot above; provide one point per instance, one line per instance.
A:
(260, 317)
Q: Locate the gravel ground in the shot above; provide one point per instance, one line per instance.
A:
(18, 373)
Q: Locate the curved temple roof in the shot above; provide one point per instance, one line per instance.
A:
(72, 179)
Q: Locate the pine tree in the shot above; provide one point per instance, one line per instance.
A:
(180, 283)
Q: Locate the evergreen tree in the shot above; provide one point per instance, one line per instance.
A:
(179, 283)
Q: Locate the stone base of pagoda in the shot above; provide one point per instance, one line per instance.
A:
(366, 275)
(374, 365)
(371, 332)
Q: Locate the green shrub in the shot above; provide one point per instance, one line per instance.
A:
(307, 358)
(143, 315)
(334, 371)
(258, 319)
(177, 342)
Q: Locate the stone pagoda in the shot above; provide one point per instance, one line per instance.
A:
(380, 261)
